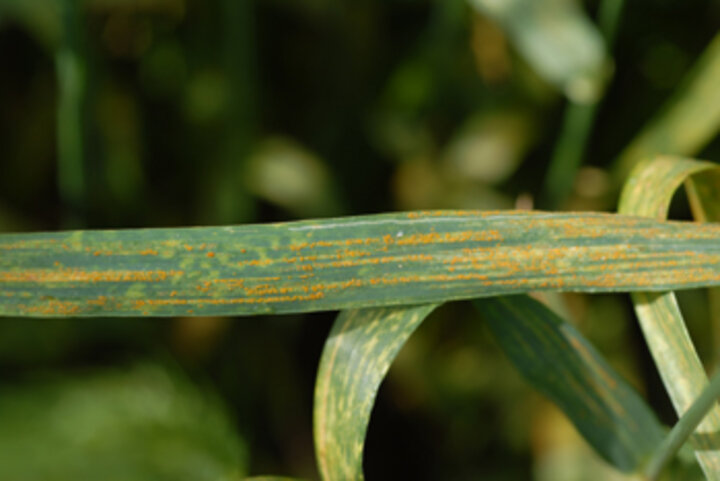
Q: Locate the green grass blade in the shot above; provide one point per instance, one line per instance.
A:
(351, 262)
(609, 15)
(577, 124)
(561, 364)
(648, 192)
(704, 195)
(357, 355)
(650, 188)
(683, 429)
(71, 70)
(568, 153)
(687, 123)
(557, 39)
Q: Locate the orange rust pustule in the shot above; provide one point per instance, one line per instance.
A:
(334, 243)
(99, 301)
(216, 302)
(76, 275)
(51, 308)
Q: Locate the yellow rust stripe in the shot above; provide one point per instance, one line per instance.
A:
(385, 259)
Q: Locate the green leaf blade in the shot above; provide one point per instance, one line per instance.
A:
(352, 262)
(684, 428)
(143, 422)
(554, 357)
(689, 120)
(357, 355)
(648, 192)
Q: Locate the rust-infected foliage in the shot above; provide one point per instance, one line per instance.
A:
(387, 259)
(648, 192)
(363, 342)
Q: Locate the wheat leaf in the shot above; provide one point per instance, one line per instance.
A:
(556, 359)
(648, 192)
(351, 262)
(356, 357)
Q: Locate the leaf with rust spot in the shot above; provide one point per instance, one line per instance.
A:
(350, 262)
(561, 364)
(357, 355)
(648, 192)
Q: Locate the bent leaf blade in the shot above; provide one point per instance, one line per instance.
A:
(357, 355)
(648, 192)
(688, 122)
(557, 360)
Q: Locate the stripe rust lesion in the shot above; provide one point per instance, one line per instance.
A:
(81, 276)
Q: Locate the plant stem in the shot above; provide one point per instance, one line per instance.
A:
(609, 20)
(71, 74)
(578, 122)
(228, 201)
(683, 429)
(567, 156)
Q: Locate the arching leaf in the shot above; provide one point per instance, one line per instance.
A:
(357, 355)
(688, 122)
(648, 192)
(557, 360)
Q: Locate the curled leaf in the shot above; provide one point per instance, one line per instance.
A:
(648, 192)
(357, 355)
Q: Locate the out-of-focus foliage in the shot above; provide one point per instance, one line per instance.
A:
(40, 17)
(687, 123)
(189, 107)
(558, 40)
(144, 423)
(289, 176)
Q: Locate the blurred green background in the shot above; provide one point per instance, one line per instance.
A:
(143, 113)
